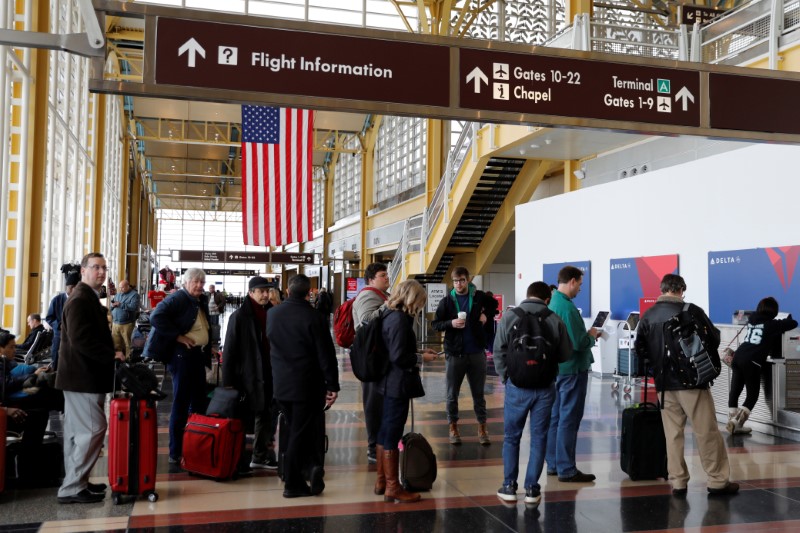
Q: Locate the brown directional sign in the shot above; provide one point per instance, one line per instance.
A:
(526, 83)
(753, 103)
(693, 14)
(210, 256)
(249, 58)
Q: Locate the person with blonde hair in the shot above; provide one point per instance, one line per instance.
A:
(401, 383)
(274, 297)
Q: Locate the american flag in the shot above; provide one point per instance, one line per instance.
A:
(276, 175)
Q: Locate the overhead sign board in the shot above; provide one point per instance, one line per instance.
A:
(754, 103)
(224, 272)
(210, 256)
(268, 60)
(699, 14)
(527, 83)
(193, 54)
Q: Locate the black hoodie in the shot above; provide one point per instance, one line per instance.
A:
(762, 337)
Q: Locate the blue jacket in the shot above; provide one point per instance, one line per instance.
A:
(175, 316)
(128, 309)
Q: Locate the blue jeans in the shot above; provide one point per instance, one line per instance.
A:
(395, 414)
(565, 419)
(519, 404)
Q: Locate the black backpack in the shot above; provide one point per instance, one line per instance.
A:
(686, 352)
(531, 358)
(369, 357)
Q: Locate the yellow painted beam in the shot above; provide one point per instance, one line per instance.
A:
(367, 190)
(570, 181)
(577, 7)
(134, 236)
(397, 213)
(530, 176)
(96, 217)
(124, 213)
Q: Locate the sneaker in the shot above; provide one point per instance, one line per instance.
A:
(508, 492)
(552, 473)
(372, 458)
(83, 496)
(174, 460)
(730, 488)
(266, 464)
(533, 495)
(579, 477)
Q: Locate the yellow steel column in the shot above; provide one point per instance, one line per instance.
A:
(96, 216)
(37, 163)
(436, 154)
(570, 181)
(577, 7)
(368, 186)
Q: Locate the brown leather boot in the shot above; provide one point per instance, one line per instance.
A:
(394, 491)
(380, 483)
(483, 435)
(455, 437)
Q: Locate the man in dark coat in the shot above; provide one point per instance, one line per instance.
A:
(86, 375)
(305, 380)
(246, 367)
(181, 338)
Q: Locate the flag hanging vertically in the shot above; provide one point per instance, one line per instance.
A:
(277, 144)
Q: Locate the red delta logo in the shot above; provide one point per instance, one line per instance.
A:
(651, 269)
(784, 261)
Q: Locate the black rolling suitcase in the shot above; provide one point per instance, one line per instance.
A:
(643, 450)
(417, 461)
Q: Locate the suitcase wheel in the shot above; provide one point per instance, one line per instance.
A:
(116, 498)
(152, 497)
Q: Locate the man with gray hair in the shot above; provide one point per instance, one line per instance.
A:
(180, 338)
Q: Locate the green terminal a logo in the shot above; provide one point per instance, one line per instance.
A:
(663, 86)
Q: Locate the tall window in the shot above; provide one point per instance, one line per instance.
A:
(400, 153)
(319, 197)
(347, 180)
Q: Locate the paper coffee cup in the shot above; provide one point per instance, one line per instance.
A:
(462, 315)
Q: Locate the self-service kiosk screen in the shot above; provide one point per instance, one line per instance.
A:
(600, 320)
(633, 321)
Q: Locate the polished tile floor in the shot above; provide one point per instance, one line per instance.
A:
(463, 497)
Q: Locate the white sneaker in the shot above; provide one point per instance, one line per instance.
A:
(269, 464)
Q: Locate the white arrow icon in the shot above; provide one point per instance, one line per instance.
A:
(477, 76)
(193, 47)
(690, 15)
(686, 96)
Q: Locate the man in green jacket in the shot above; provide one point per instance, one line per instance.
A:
(571, 383)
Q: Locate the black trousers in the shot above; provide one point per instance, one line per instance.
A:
(305, 448)
(746, 374)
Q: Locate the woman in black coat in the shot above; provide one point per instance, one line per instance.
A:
(762, 337)
(401, 383)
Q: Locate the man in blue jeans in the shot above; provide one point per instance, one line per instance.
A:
(524, 399)
(571, 383)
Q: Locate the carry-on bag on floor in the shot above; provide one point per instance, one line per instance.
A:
(417, 461)
(133, 448)
(283, 444)
(44, 467)
(643, 453)
(212, 446)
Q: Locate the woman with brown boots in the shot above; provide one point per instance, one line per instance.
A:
(401, 383)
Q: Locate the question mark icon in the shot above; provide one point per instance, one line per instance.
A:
(227, 55)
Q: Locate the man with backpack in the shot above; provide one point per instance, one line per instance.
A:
(531, 341)
(682, 399)
(366, 306)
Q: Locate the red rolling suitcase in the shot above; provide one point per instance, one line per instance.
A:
(212, 446)
(133, 449)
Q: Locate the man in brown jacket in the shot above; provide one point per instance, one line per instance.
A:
(85, 374)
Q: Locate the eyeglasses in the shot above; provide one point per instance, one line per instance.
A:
(460, 280)
(101, 268)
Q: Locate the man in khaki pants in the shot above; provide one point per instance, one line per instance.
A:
(680, 401)
(124, 310)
